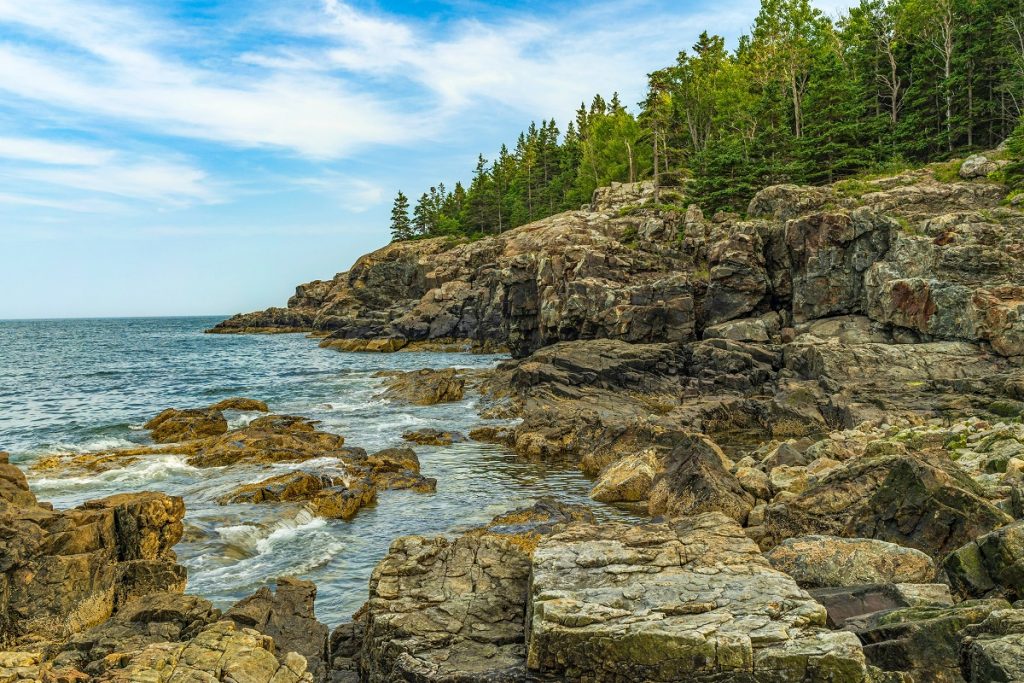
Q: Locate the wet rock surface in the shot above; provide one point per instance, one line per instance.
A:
(425, 387)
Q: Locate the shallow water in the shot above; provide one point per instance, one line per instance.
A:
(86, 385)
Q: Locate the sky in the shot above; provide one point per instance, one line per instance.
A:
(194, 157)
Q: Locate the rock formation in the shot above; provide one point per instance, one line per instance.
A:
(64, 571)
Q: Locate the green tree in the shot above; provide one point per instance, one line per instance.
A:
(401, 226)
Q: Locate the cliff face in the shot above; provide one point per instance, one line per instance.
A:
(932, 260)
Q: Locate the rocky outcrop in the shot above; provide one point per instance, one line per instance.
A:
(938, 259)
(62, 572)
(155, 618)
(286, 615)
(183, 425)
(579, 274)
(447, 610)
(425, 387)
(221, 652)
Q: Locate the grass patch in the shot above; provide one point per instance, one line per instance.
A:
(947, 172)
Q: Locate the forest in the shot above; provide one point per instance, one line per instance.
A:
(803, 98)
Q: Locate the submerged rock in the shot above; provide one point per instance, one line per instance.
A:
(242, 404)
(327, 496)
(433, 437)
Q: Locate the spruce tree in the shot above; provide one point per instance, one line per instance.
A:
(401, 226)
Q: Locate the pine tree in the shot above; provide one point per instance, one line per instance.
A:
(422, 218)
(401, 226)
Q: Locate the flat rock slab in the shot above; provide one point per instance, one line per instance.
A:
(693, 600)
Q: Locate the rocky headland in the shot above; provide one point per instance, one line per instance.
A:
(818, 406)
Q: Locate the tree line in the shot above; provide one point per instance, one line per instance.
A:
(802, 98)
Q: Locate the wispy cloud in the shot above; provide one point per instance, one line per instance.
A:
(156, 181)
(351, 193)
(50, 152)
(128, 75)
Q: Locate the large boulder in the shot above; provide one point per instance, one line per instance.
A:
(993, 563)
(693, 600)
(816, 561)
(993, 651)
(915, 500)
(921, 641)
(628, 480)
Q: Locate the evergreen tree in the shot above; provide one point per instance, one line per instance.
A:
(401, 226)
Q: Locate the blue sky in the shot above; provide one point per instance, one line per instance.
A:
(204, 157)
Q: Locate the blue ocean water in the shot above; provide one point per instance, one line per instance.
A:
(88, 385)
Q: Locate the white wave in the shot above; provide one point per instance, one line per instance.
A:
(103, 443)
(251, 538)
(242, 419)
(304, 522)
(151, 468)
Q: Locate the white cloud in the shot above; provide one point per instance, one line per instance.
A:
(49, 152)
(157, 181)
(82, 206)
(127, 77)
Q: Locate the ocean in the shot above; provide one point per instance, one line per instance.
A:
(70, 386)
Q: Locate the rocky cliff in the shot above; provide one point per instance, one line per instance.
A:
(926, 260)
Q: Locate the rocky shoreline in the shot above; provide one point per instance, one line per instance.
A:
(818, 406)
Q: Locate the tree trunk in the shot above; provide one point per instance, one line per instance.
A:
(632, 168)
